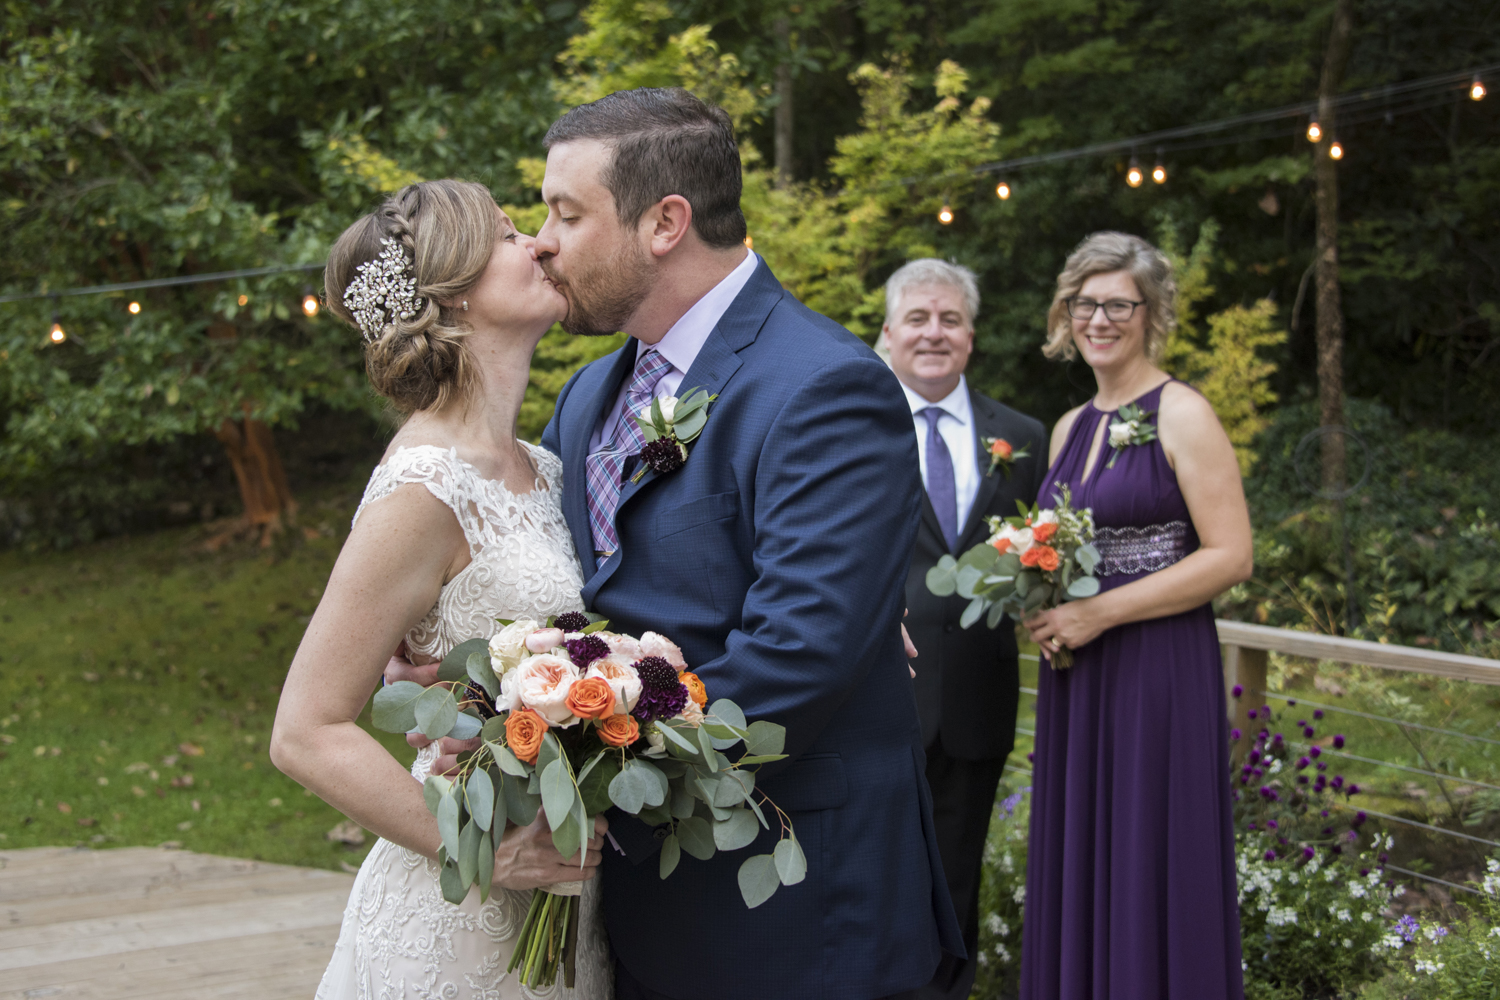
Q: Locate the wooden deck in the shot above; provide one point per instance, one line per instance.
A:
(170, 925)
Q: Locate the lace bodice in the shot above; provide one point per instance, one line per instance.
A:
(400, 939)
(521, 554)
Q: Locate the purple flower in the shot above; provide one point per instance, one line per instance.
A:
(1382, 857)
(1301, 723)
(1360, 817)
(1290, 702)
(1338, 741)
(1258, 773)
(1308, 853)
(1324, 814)
(1407, 927)
(1235, 734)
(1251, 825)
(1322, 767)
(1270, 824)
(1317, 713)
(1237, 690)
(1031, 757)
(1337, 782)
(1303, 762)
(1265, 792)
(1354, 790)
(1276, 738)
(1351, 836)
(586, 650)
(571, 621)
(662, 694)
(1336, 849)
(1307, 731)
(1301, 779)
(1440, 931)
(1363, 872)
(1254, 757)
(1315, 752)
(1270, 855)
(1251, 714)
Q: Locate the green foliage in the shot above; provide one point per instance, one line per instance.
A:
(1002, 895)
(1460, 961)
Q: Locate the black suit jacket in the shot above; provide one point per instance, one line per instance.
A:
(967, 682)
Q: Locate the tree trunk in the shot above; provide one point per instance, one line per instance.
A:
(1330, 335)
(783, 127)
(258, 470)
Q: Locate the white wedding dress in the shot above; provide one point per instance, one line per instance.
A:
(400, 939)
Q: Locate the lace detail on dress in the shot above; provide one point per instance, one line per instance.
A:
(400, 939)
(1141, 549)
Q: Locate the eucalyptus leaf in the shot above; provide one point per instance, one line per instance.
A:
(395, 704)
(465, 726)
(1084, 586)
(595, 626)
(468, 852)
(520, 805)
(508, 761)
(453, 885)
(687, 428)
(671, 853)
(681, 802)
(943, 580)
(447, 820)
(765, 738)
(758, 814)
(568, 837)
(697, 837)
(633, 787)
(1023, 584)
(1088, 557)
(494, 729)
(967, 579)
(671, 735)
(551, 750)
(764, 758)
(480, 792)
(739, 830)
(728, 713)
(980, 557)
(486, 870)
(656, 815)
(971, 613)
(557, 793)
(723, 737)
(734, 787)
(455, 665)
(758, 879)
(791, 863)
(662, 785)
(593, 787)
(436, 713)
(433, 790)
(997, 612)
(479, 669)
(706, 743)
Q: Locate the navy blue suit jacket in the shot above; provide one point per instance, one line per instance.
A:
(776, 558)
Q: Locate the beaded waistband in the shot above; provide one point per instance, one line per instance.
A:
(1145, 549)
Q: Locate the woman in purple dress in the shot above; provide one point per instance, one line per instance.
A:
(1130, 884)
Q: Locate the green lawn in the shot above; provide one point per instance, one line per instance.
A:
(139, 680)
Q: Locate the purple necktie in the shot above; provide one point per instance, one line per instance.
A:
(941, 490)
(605, 468)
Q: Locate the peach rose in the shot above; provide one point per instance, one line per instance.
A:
(696, 690)
(544, 640)
(541, 682)
(1001, 448)
(619, 730)
(1043, 532)
(1002, 545)
(620, 674)
(591, 698)
(691, 713)
(654, 644)
(625, 645)
(524, 730)
(1042, 557)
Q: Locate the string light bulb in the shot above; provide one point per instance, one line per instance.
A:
(1314, 132)
(57, 334)
(1336, 150)
(1476, 89)
(243, 299)
(1002, 191)
(1133, 176)
(945, 214)
(134, 308)
(309, 304)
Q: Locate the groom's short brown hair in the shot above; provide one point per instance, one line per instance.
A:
(665, 141)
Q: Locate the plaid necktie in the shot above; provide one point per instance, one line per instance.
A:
(605, 468)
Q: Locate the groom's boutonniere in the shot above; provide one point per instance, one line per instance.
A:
(670, 425)
(1002, 455)
(1130, 429)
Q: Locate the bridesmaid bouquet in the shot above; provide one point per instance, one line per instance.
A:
(1030, 563)
(575, 719)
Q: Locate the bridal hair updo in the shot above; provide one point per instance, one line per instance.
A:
(1102, 253)
(443, 233)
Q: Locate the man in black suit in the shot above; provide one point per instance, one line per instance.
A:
(967, 682)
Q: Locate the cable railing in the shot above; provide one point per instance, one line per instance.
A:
(1380, 718)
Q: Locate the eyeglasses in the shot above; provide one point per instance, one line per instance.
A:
(1115, 310)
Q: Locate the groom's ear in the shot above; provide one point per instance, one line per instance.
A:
(667, 223)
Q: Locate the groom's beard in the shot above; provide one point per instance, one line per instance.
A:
(602, 299)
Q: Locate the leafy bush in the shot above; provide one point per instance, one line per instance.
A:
(1460, 962)
(1002, 895)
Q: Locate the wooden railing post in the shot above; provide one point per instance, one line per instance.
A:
(1247, 668)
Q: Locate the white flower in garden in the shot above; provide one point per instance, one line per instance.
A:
(508, 646)
(1020, 894)
(1002, 953)
(984, 958)
(1356, 890)
(1431, 968)
(1294, 878)
(997, 926)
(1348, 943)
(1342, 915)
(1275, 767)
(1280, 917)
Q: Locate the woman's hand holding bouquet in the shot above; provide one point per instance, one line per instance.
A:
(574, 719)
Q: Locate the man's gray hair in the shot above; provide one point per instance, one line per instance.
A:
(931, 271)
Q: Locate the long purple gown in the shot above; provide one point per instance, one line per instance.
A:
(1130, 883)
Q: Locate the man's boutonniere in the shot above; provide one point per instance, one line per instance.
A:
(1130, 429)
(670, 425)
(1002, 454)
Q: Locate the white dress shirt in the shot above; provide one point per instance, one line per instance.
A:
(683, 341)
(956, 425)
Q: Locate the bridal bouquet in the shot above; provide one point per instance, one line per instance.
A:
(575, 719)
(1029, 563)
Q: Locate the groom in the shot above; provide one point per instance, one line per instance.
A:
(776, 556)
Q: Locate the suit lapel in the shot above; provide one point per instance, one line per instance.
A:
(984, 426)
(711, 370)
(596, 394)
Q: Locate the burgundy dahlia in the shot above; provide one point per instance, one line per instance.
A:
(586, 650)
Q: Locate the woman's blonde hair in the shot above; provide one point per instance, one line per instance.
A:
(1102, 253)
(448, 230)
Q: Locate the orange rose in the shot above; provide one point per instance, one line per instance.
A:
(1002, 545)
(1047, 559)
(695, 687)
(524, 730)
(1001, 448)
(591, 698)
(619, 730)
(1042, 532)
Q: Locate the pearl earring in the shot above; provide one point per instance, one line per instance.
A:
(466, 305)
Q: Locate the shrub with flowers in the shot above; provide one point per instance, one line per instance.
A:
(1002, 894)
(1457, 962)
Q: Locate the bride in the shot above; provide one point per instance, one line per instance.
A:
(460, 525)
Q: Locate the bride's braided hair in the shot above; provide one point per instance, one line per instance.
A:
(446, 230)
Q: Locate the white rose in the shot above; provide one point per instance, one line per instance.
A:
(1120, 432)
(541, 684)
(655, 644)
(668, 407)
(508, 646)
(625, 645)
(1046, 517)
(616, 671)
(1020, 540)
